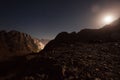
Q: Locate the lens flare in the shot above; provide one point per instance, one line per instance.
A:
(108, 19)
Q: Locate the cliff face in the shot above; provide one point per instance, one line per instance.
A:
(15, 43)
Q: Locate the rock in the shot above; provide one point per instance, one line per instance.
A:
(97, 79)
(14, 43)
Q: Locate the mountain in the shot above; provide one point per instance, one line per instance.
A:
(14, 43)
(91, 54)
(108, 33)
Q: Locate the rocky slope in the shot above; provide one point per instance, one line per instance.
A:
(80, 61)
(14, 43)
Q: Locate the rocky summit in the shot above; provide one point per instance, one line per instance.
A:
(14, 43)
(91, 54)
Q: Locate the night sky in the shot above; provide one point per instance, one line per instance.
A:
(47, 18)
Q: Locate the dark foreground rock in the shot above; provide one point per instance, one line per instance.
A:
(84, 62)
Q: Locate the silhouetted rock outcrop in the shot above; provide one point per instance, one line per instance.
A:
(15, 43)
(109, 33)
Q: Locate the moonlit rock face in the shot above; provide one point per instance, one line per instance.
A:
(39, 44)
(14, 43)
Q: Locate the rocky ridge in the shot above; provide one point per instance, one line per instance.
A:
(14, 43)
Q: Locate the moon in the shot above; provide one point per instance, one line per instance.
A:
(108, 19)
